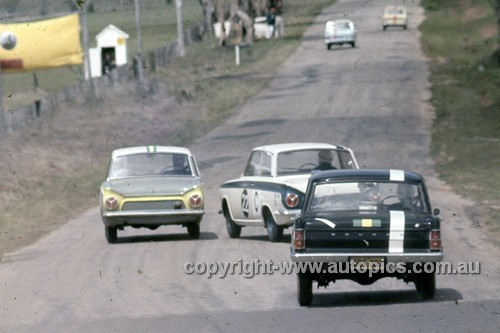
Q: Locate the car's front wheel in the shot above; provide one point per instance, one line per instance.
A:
(274, 232)
(426, 285)
(111, 234)
(353, 44)
(304, 289)
(233, 230)
(194, 230)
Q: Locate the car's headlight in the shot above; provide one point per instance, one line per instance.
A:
(195, 200)
(110, 200)
(111, 203)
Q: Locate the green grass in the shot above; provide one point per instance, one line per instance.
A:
(461, 39)
(52, 170)
(158, 27)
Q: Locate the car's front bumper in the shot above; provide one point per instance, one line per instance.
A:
(285, 217)
(345, 257)
(151, 217)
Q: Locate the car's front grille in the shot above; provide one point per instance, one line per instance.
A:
(153, 205)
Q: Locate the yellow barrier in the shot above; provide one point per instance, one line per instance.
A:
(43, 44)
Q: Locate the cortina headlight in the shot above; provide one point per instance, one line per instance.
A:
(111, 203)
(195, 200)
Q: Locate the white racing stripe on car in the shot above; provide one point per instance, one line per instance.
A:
(397, 175)
(327, 222)
(397, 231)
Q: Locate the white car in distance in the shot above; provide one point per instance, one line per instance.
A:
(340, 32)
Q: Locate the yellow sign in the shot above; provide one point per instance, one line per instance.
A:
(43, 44)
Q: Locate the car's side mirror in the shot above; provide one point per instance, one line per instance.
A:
(436, 211)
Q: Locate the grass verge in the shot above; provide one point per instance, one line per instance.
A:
(158, 28)
(51, 170)
(460, 38)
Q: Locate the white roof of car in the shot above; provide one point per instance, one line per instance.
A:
(278, 148)
(149, 149)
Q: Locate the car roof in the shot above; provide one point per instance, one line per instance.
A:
(367, 174)
(281, 147)
(149, 149)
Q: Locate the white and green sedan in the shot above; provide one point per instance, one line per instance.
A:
(150, 186)
(271, 190)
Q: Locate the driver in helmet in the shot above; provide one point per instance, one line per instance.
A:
(325, 158)
(181, 166)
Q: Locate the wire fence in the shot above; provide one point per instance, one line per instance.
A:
(19, 117)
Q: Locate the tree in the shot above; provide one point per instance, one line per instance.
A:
(235, 11)
(180, 28)
(260, 7)
(208, 12)
(242, 10)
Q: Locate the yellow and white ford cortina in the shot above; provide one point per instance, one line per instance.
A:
(271, 190)
(150, 186)
(395, 16)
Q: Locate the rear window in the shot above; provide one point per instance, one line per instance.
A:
(394, 11)
(368, 196)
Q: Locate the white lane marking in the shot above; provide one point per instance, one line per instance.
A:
(327, 222)
(397, 175)
(397, 231)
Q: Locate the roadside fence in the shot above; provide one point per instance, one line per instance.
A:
(19, 117)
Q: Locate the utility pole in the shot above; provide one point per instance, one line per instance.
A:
(180, 28)
(139, 39)
(82, 6)
(8, 41)
(3, 128)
